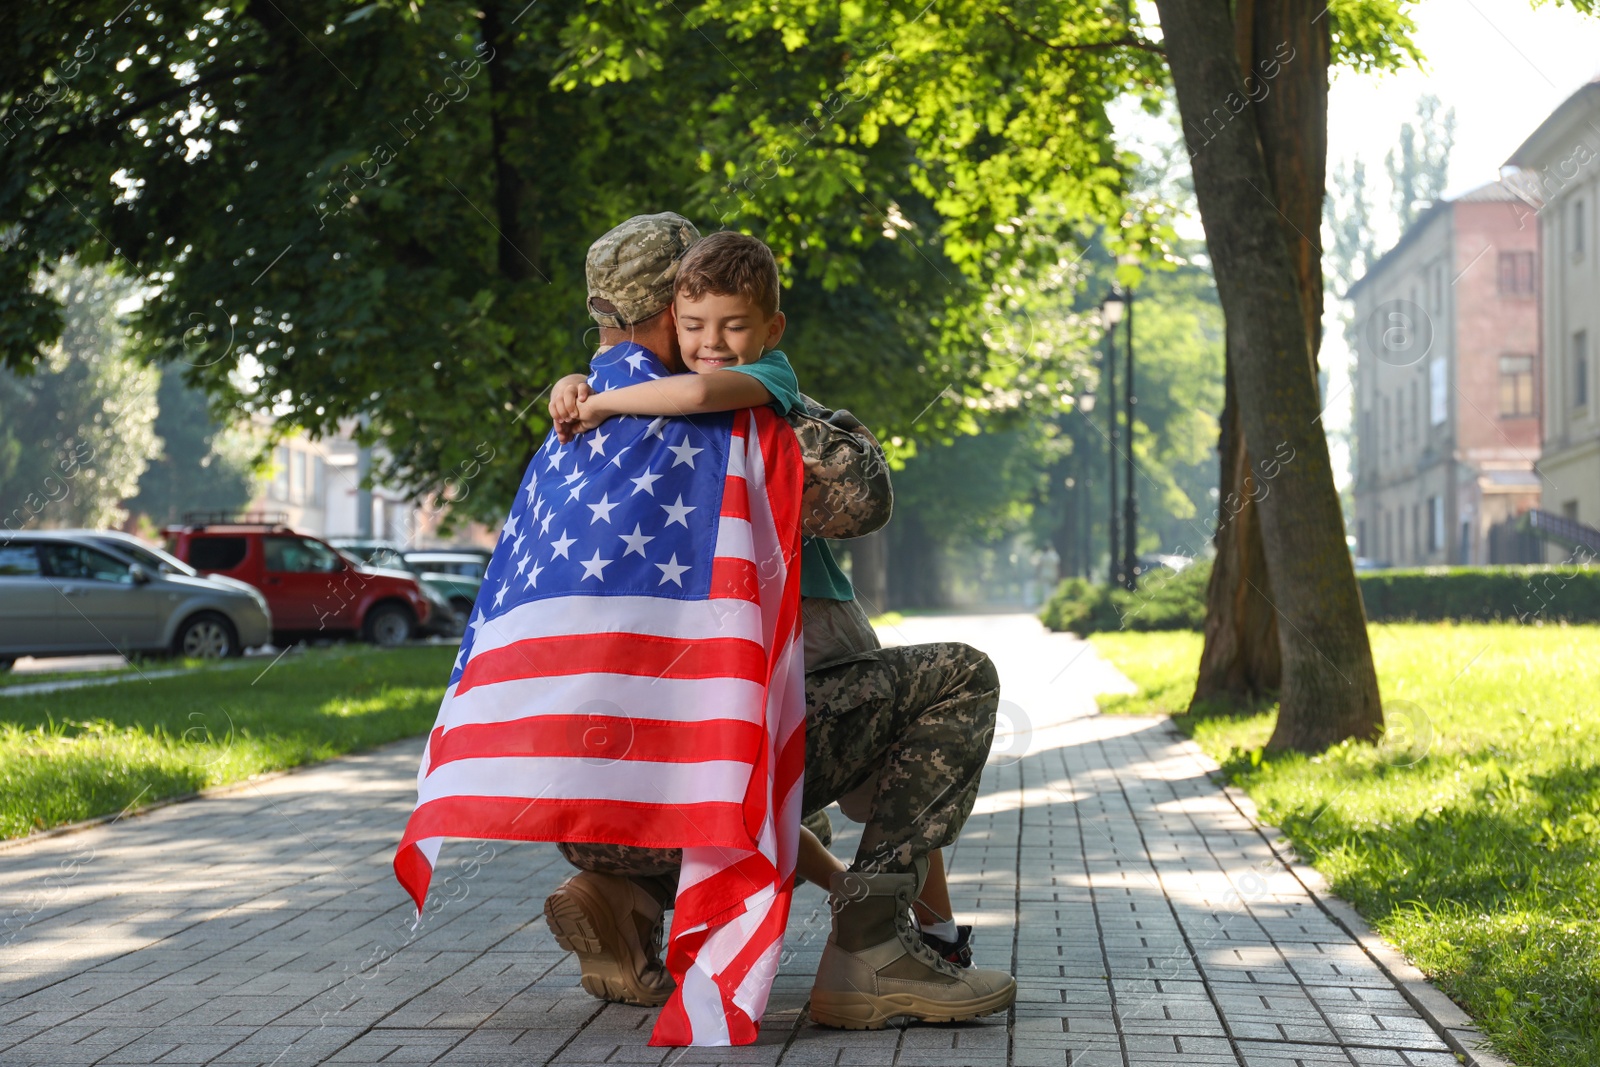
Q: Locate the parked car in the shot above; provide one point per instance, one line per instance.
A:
(462, 562)
(71, 592)
(447, 592)
(462, 571)
(312, 588)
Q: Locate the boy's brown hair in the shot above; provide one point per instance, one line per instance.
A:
(730, 264)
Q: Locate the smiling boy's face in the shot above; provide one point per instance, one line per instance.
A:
(716, 331)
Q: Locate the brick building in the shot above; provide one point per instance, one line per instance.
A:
(1448, 386)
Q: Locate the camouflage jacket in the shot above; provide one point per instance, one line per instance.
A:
(847, 494)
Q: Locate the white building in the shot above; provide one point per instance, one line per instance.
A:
(1559, 182)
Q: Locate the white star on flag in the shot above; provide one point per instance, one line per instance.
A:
(556, 457)
(684, 452)
(522, 564)
(636, 540)
(561, 544)
(593, 566)
(533, 576)
(516, 546)
(577, 489)
(616, 460)
(635, 361)
(654, 429)
(603, 509)
(597, 443)
(678, 513)
(530, 491)
(544, 523)
(671, 571)
(510, 527)
(476, 625)
(500, 594)
(645, 482)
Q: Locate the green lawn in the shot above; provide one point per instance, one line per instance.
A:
(1473, 842)
(83, 752)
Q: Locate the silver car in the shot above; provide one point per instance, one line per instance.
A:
(75, 592)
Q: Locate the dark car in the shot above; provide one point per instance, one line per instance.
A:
(312, 588)
(74, 592)
(452, 600)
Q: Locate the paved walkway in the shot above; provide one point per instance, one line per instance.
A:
(1146, 919)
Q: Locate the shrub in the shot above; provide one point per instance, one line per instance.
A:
(1163, 601)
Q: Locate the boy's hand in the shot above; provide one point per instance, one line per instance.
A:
(591, 412)
(565, 396)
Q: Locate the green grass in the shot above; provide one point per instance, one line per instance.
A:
(1472, 838)
(132, 670)
(79, 753)
(1162, 665)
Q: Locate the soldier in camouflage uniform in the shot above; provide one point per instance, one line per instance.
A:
(918, 720)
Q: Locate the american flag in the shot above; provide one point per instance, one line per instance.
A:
(632, 673)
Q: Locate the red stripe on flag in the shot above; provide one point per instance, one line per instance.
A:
(735, 498)
(637, 654)
(736, 578)
(599, 738)
(620, 822)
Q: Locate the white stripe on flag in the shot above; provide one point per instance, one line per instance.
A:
(638, 697)
(567, 778)
(690, 620)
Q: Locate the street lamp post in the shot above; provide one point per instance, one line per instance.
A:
(1110, 314)
(1130, 500)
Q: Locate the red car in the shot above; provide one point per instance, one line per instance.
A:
(311, 587)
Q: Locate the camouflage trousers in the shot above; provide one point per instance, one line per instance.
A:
(918, 717)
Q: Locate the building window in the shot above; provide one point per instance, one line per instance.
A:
(1577, 229)
(1435, 523)
(1516, 273)
(1437, 381)
(1388, 537)
(1580, 369)
(1413, 419)
(1384, 435)
(1516, 387)
(1416, 532)
(1569, 510)
(1361, 537)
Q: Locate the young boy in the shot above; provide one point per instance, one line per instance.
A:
(725, 304)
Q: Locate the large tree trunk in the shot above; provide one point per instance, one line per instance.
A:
(869, 570)
(1328, 688)
(1240, 664)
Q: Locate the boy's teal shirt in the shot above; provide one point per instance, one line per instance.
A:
(820, 575)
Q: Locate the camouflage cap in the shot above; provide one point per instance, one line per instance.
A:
(632, 267)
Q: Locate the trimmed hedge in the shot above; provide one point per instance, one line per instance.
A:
(1167, 601)
(1533, 593)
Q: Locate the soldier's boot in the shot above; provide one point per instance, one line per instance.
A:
(615, 928)
(875, 967)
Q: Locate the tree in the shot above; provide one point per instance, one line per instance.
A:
(76, 432)
(201, 466)
(382, 210)
(1258, 178)
(1419, 166)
